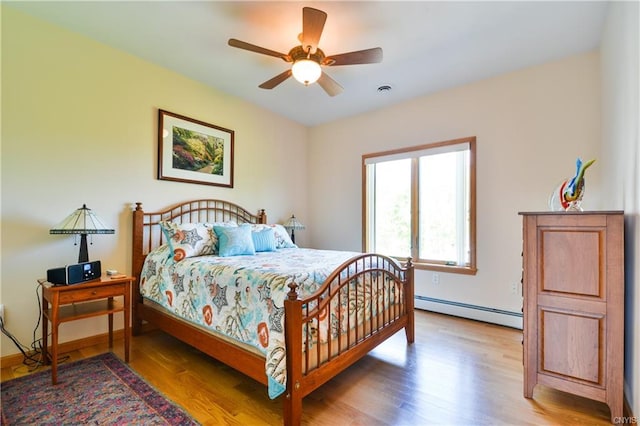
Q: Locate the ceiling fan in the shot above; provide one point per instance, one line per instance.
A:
(307, 58)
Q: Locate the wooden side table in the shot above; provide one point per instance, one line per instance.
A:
(62, 303)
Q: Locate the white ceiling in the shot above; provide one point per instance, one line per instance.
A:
(428, 46)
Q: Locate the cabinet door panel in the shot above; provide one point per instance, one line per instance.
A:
(570, 345)
(572, 261)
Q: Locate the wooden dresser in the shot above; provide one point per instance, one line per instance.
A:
(573, 287)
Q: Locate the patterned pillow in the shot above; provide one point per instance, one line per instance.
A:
(187, 239)
(283, 240)
(264, 240)
(235, 241)
(191, 239)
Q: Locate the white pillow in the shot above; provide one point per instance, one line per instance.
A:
(283, 240)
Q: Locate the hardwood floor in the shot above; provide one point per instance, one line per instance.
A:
(458, 372)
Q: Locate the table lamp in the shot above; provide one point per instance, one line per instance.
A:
(82, 221)
(292, 223)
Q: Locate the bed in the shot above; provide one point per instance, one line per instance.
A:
(307, 314)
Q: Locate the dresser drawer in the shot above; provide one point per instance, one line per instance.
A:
(81, 295)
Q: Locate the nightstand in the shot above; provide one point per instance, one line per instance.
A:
(62, 303)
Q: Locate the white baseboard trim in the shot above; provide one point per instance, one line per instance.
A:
(475, 312)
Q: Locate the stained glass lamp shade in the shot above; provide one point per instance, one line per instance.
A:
(292, 223)
(82, 222)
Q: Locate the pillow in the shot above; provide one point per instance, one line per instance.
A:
(283, 240)
(228, 224)
(191, 239)
(234, 241)
(264, 240)
(188, 239)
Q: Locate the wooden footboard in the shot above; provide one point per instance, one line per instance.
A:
(363, 302)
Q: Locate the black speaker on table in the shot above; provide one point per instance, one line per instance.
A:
(75, 274)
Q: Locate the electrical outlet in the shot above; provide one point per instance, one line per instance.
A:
(2, 312)
(435, 278)
(514, 288)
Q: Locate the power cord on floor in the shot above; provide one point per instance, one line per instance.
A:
(32, 357)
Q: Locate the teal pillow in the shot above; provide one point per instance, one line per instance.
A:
(264, 240)
(234, 241)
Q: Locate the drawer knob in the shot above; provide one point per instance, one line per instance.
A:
(93, 293)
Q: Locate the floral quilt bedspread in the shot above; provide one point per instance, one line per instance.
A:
(241, 297)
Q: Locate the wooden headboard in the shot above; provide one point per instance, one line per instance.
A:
(147, 233)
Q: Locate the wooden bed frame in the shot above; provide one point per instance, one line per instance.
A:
(303, 376)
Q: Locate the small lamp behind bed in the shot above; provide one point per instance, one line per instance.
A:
(292, 224)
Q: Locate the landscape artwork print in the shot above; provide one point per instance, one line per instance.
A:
(193, 151)
(197, 152)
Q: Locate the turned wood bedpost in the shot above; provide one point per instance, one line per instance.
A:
(410, 302)
(136, 266)
(292, 404)
(262, 216)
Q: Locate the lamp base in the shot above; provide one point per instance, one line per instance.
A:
(83, 256)
(293, 236)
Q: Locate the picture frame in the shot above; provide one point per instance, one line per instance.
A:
(193, 151)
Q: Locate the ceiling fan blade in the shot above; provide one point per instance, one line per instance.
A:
(270, 84)
(312, 24)
(329, 85)
(257, 49)
(367, 56)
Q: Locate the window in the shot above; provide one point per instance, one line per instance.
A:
(419, 202)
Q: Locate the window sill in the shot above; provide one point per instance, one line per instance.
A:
(464, 270)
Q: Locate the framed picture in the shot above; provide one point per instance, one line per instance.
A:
(194, 151)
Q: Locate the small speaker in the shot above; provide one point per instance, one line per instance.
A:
(57, 275)
(75, 274)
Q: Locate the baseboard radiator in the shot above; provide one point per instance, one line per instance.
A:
(467, 310)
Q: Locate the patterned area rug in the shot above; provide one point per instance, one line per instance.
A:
(97, 390)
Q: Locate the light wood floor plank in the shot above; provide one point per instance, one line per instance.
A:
(458, 372)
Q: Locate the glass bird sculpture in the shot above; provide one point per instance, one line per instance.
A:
(568, 194)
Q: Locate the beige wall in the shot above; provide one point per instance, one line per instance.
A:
(79, 126)
(621, 151)
(530, 127)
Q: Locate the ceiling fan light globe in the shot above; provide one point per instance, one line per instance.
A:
(306, 71)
